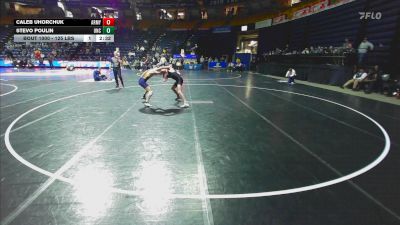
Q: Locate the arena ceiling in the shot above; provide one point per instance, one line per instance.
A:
(127, 4)
(128, 8)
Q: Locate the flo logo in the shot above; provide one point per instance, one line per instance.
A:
(370, 15)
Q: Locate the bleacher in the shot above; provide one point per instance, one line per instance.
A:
(381, 32)
(327, 28)
(331, 27)
(124, 39)
(299, 31)
(275, 37)
(5, 34)
(172, 40)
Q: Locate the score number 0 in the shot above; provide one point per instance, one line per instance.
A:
(108, 25)
(108, 22)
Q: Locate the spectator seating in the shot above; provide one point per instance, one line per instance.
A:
(381, 32)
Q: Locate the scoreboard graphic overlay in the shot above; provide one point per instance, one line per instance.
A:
(64, 30)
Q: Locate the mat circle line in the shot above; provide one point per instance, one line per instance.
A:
(363, 170)
(223, 78)
(12, 91)
(205, 79)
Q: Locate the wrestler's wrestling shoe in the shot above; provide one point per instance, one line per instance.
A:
(185, 105)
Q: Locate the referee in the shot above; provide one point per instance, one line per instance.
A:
(116, 65)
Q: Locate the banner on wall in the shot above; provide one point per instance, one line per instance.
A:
(263, 23)
(320, 6)
(187, 56)
(217, 65)
(315, 8)
(82, 64)
(279, 19)
(225, 29)
(57, 63)
(192, 66)
(301, 13)
(339, 2)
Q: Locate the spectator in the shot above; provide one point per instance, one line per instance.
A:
(202, 60)
(306, 51)
(370, 83)
(125, 63)
(193, 49)
(396, 89)
(9, 51)
(179, 65)
(347, 44)
(23, 52)
(290, 74)
(54, 52)
(387, 85)
(286, 50)
(70, 67)
(22, 63)
(239, 66)
(357, 78)
(363, 49)
(97, 76)
(37, 54)
(230, 67)
(29, 63)
(51, 58)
